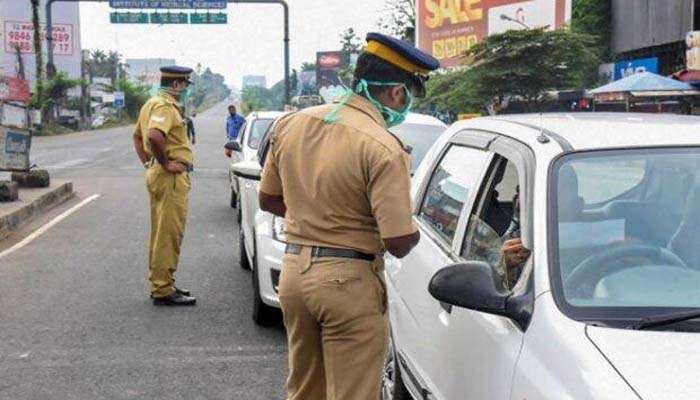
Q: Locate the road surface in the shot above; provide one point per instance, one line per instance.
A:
(75, 318)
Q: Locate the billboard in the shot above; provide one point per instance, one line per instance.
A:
(334, 72)
(447, 28)
(626, 68)
(16, 32)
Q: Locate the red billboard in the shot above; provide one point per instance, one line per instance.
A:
(14, 89)
(448, 28)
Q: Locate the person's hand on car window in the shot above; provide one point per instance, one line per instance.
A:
(514, 253)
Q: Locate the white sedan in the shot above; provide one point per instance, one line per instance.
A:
(263, 234)
(607, 303)
(246, 146)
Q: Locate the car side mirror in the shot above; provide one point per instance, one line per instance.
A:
(475, 286)
(233, 145)
(247, 170)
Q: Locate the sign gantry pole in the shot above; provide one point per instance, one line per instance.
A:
(50, 68)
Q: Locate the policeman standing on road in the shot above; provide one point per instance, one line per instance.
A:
(161, 142)
(341, 180)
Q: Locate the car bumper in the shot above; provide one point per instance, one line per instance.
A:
(270, 253)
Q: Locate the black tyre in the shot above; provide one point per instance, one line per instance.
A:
(234, 199)
(393, 387)
(263, 314)
(242, 253)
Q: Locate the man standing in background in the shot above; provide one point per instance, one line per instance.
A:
(234, 123)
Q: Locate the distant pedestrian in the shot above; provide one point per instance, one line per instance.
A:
(234, 123)
(160, 141)
(191, 133)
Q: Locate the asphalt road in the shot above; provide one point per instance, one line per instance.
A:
(75, 318)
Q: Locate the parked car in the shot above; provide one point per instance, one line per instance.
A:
(607, 304)
(246, 147)
(263, 241)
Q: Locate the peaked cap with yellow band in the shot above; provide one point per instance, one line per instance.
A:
(402, 55)
(176, 72)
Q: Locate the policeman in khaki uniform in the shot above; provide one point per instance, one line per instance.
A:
(161, 142)
(341, 180)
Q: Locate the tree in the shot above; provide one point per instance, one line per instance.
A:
(399, 19)
(39, 92)
(308, 66)
(524, 64)
(349, 41)
(594, 18)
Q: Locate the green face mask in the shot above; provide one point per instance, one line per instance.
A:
(391, 116)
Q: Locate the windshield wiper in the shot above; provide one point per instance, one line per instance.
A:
(655, 321)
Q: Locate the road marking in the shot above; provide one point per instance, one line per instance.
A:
(48, 226)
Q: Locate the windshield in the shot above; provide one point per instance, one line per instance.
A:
(257, 131)
(420, 137)
(626, 225)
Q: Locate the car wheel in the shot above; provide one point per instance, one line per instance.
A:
(234, 199)
(393, 387)
(263, 314)
(242, 253)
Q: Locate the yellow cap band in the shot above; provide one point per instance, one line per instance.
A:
(388, 54)
(174, 75)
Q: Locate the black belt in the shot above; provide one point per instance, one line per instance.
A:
(317, 252)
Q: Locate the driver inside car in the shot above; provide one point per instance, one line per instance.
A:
(514, 252)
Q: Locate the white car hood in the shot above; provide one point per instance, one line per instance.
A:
(658, 365)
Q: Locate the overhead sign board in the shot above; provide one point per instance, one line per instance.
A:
(218, 18)
(448, 28)
(169, 4)
(626, 68)
(14, 149)
(169, 18)
(128, 18)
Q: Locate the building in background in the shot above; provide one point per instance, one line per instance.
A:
(17, 35)
(146, 71)
(254, 81)
(448, 28)
(649, 35)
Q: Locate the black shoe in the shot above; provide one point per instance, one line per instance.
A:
(174, 299)
(183, 292)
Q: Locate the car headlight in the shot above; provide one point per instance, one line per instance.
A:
(278, 229)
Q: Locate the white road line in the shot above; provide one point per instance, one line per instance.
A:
(48, 226)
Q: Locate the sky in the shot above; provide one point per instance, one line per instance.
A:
(251, 42)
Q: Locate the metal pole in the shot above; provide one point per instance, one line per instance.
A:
(283, 3)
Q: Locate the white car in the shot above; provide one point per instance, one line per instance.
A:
(607, 305)
(247, 143)
(264, 241)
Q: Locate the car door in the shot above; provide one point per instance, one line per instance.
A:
(480, 350)
(237, 156)
(417, 318)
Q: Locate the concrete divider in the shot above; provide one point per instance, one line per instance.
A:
(32, 204)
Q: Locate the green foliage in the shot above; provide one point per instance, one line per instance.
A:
(450, 90)
(349, 41)
(399, 19)
(594, 18)
(135, 96)
(208, 88)
(55, 92)
(106, 65)
(308, 66)
(527, 63)
(256, 98)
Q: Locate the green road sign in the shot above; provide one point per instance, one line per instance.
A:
(218, 18)
(128, 18)
(169, 18)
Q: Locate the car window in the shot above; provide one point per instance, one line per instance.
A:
(451, 183)
(420, 137)
(497, 220)
(257, 130)
(599, 186)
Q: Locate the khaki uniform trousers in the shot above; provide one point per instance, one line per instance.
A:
(335, 312)
(169, 197)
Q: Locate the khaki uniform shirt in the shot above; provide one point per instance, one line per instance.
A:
(164, 113)
(345, 184)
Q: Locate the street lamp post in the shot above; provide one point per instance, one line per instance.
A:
(287, 88)
(507, 18)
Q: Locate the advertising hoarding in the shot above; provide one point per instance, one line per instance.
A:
(625, 68)
(447, 28)
(16, 30)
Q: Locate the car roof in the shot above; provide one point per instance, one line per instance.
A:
(592, 130)
(265, 114)
(423, 119)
